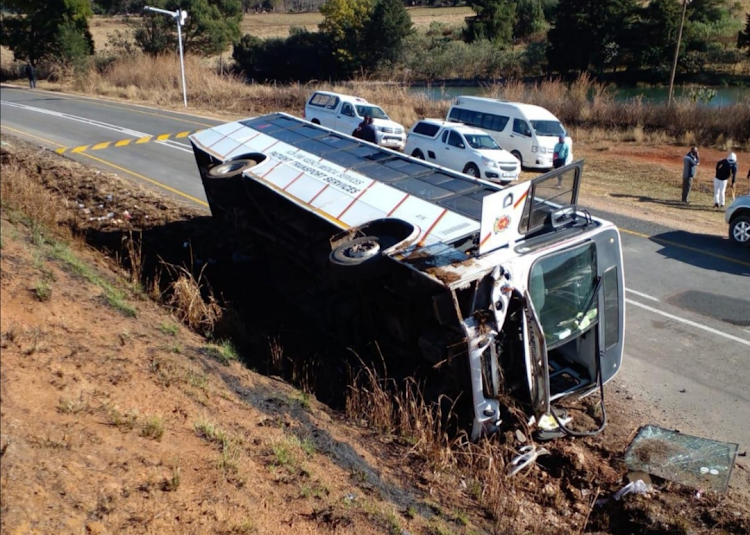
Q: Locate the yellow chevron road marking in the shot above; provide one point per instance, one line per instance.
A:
(126, 142)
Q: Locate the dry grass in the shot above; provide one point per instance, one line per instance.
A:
(266, 25)
(583, 103)
(187, 301)
(514, 504)
(29, 199)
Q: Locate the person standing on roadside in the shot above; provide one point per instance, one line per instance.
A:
(560, 152)
(690, 164)
(31, 75)
(369, 132)
(724, 168)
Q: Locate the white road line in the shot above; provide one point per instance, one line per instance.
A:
(99, 124)
(645, 296)
(688, 322)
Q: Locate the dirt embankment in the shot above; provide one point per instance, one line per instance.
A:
(116, 418)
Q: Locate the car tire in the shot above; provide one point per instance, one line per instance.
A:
(472, 170)
(518, 157)
(739, 230)
(418, 154)
(315, 121)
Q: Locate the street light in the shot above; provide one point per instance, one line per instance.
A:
(179, 16)
(677, 51)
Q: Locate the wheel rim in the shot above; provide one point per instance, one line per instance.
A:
(471, 171)
(741, 232)
(364, 249)
(229, 167)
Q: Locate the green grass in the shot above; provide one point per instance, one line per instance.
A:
(153, 428)
(123, 421)
(223, 351)
(115, 297)
(169, 328)
(42, 291)
(301, 399)
(213, 434)
(197, 380)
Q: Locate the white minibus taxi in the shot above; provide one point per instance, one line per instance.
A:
(528, 132)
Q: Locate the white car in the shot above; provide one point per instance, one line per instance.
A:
(463, 148)
(738, 217)
(344, 113)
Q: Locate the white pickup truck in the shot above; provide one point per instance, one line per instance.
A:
(463, 148)
(344, 113)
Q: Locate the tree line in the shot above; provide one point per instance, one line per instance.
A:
(377, 38)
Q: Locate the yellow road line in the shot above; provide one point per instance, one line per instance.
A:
(31, 135)
(686, 247)
(150, 180)
(122, 142)
(202, 203)
(110, 164)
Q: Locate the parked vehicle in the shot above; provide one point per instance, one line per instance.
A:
(529, 132)
(495, 291)
(344, 113)
(463, 148)
(738, 217)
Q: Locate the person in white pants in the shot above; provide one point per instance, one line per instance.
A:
(724, 168)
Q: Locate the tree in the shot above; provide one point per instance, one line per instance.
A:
(743, 38)
(529, 18)
(584, 30)
(494, 20)
(389, 26)
(657, 33)
(47, 29)
(344, 25)
(211, 26)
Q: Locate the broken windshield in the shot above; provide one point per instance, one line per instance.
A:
(562, 288)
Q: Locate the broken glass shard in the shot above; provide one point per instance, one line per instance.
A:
(696, 462)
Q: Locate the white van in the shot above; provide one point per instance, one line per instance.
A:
(344, 113)
(528, 132)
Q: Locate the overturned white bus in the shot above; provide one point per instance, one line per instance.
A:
(509, 290)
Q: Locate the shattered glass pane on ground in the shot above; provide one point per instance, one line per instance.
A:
(693, 461)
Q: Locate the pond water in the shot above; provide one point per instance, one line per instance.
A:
(656, 95)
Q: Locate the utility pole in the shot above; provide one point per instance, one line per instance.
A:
(179, 16)
(677, 51)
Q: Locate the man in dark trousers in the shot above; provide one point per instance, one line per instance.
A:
(31, 75)
(724, 168)
(369, 132)
(690, 164)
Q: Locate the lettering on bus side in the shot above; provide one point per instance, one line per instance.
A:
(310, 166)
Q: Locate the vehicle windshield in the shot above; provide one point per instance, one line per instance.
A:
(372, 111)
(477, 141)
(548, 128)
(561, 288)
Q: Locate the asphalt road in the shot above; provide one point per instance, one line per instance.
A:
(687, 360)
